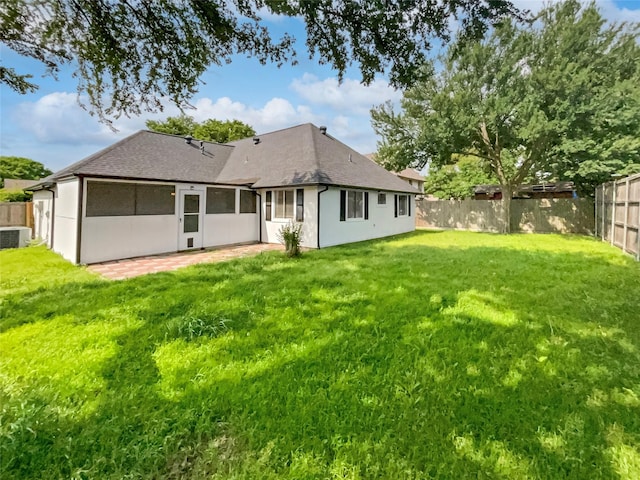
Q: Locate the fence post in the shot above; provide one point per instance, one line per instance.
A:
(613, 212)
(626, 213)
(29, 216)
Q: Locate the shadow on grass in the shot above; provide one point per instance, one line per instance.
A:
(395, 359)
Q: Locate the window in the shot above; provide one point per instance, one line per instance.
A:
(268, 206)
(354, 205)
(382, 199)
(221, 200)
(402, 206)
(111, 199)
(247, 201)
(300, 205)
(284, 204)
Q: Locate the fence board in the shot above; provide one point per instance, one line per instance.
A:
(619, 214)
(15, 214)
(558, 215)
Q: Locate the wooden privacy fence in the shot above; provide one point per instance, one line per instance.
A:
(16, 214)
(618, 214)
(545, 215)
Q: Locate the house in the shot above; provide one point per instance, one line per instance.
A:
(413, 178)
(153, 193)
(18, 184)
(409, 175)
(545, 190)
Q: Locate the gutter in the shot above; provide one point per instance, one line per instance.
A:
(79, 229)
(52, 220)
(320, 192)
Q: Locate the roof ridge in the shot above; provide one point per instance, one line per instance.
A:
(183, 137)
(94, 156)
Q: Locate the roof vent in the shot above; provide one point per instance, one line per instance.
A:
(188, 139)
(256, 140)
(201, 147)
(323, 130)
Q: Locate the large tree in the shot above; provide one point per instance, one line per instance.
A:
(457, 180)
(129, 55)
(212, 130)
(559, 97)
(23, 168)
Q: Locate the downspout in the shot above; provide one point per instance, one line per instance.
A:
(319, 192)
(53, 212)
(79, 230)
(259, 217)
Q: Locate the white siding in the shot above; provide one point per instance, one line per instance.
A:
(310, 225)
(112, 238)
(42, 211)
(66, 219)
(381, 222)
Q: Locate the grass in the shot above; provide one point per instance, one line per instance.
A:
(430, 355)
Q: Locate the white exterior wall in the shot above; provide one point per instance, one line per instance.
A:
(231, 228)
(42, 211)
(310, 225)
(381, 222)
(117, 237)
(66, 218)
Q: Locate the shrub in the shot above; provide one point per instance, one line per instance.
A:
(290, 236)
(15, 196)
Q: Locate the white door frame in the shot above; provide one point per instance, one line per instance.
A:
(194, 221)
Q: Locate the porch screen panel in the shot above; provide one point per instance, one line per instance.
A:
(110, 199)
(155, 199)
(221, 200)
(247, 201)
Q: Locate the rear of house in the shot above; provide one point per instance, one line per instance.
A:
(153, 193)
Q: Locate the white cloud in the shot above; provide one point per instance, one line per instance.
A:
(349, 97)
(275, 114)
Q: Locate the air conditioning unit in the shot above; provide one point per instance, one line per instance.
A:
(14, 237)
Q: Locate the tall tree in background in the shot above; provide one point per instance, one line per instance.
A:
(23, 168)
(560, 97)
(129, 56)
(211, 130)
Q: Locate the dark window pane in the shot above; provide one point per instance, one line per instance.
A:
(105, 199)
(382, 199)
(190, 223)
(155, 199)
(191, 204)
(355, 204)
(221, 200)
(268, 206)
(402, 205)
(247, 201)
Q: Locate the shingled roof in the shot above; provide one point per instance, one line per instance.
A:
(300, 155)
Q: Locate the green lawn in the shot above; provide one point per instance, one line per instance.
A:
(430, 355)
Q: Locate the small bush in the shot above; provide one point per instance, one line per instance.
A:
(290, 236)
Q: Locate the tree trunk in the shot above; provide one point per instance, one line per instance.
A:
(507, 194)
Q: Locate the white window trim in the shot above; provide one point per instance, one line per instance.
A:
(406, 210)
(354, 219)
(274, 203)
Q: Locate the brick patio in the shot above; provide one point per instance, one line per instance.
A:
(133, 267)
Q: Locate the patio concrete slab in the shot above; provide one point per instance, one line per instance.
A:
(134, 267)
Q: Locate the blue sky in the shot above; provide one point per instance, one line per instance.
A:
(49, 126)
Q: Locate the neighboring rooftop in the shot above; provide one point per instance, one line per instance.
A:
(301, 155)
(410, 174)
(18, 184)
